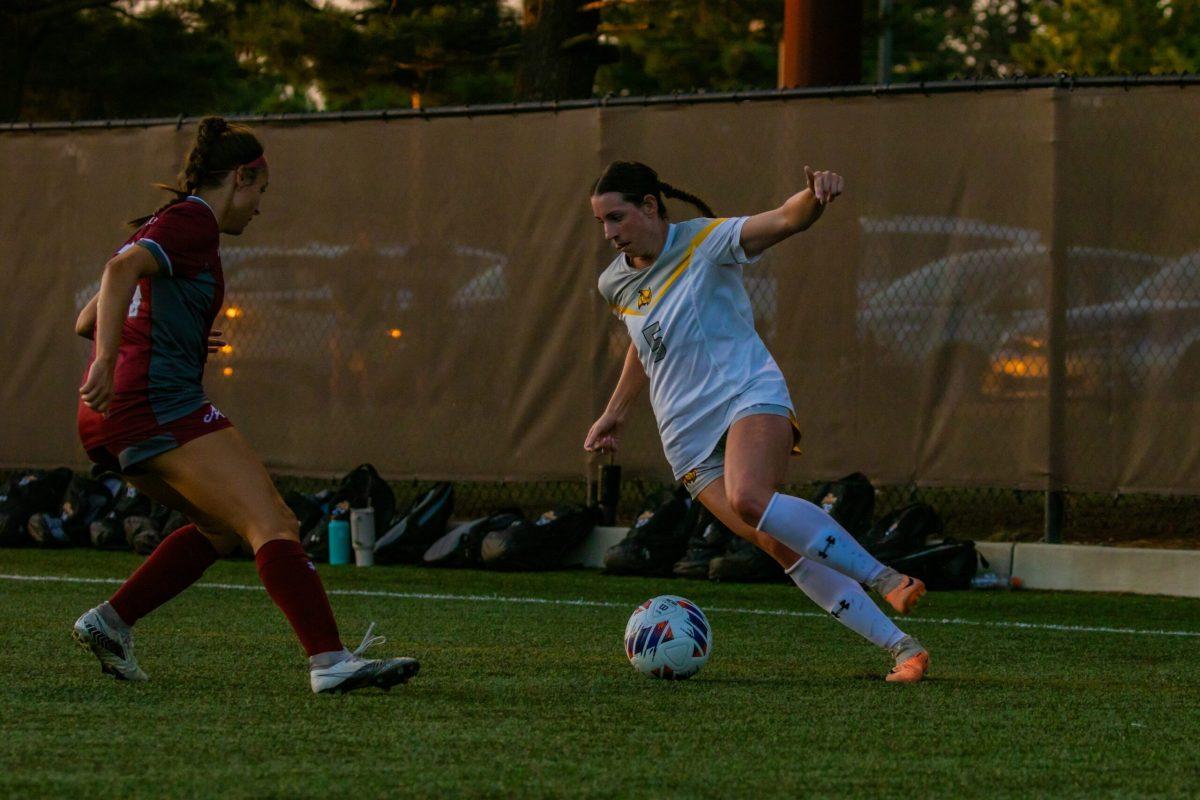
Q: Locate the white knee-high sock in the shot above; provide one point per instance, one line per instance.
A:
(814, 534)
(845, 599)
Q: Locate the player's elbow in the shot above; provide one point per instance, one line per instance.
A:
(84, 327)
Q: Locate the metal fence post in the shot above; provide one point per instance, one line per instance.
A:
(1056, 336)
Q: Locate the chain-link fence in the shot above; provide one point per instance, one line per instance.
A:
(1005, 303)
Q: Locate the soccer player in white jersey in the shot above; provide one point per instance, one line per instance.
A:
(722, 405)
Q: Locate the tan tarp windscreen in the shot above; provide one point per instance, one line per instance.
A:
(420, 294)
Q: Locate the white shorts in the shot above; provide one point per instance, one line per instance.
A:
(699, 477)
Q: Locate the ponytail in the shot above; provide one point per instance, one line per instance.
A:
(634, 180)
(220, 148)
(678, 194)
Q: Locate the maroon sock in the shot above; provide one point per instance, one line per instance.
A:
(177, 563)
(292, 581)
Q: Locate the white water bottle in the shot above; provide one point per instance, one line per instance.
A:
(362, 536)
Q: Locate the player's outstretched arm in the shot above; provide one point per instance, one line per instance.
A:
(121, 275)
(796, 214)
(604, 435)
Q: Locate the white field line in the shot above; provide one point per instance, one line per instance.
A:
(495, 598)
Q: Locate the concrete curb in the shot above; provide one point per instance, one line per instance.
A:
(1087, 568)
(1064, 567)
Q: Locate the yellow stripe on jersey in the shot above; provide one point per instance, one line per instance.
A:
(684, 263)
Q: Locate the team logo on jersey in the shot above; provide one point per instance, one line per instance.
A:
(643, 298)
(690, 476)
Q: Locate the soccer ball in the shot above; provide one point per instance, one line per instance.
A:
(668, 637)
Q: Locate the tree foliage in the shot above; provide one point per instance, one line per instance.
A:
(683, 45)
(75, 59)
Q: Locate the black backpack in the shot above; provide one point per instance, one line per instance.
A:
(744, 562)
(86, 501)
(108, 532)
(144, 534)
(657, 539)
(311, 511)
(708, 540)
(33, 492)
(949, 564)
(902, 532)
(364, 488)
(850, 501)
(422, 525)
(542, 543)
(462, 545)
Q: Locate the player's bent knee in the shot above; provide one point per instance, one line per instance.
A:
(749, 505)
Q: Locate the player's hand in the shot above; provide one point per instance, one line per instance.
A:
(97, 390)
(603, 436)
(215, 342)
(825, 186)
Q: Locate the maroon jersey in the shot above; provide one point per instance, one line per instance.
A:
(164, 340)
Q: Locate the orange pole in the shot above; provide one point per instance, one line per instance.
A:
(789, 51)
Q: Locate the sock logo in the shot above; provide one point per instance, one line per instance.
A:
(842, 606)
(829, 542)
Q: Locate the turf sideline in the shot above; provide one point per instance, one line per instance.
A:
(490, 598)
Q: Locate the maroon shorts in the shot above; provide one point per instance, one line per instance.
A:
(123, 452)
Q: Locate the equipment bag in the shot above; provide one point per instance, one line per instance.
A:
(86, 501)
(902, 532)
(657, 539)
(422, 525)
(850, 501)
(108, 532)
(708, 539)
(364, 488)
(949, 564)
(543, 543)
(32, 492)
(462, 545)
(744, 562)
(144, 534)
(312, 512)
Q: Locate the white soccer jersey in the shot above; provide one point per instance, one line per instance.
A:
(691, 321)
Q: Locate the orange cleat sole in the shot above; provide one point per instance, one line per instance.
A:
(910, 670)
(905, 596)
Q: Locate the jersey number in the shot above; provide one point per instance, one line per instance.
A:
(653, 334)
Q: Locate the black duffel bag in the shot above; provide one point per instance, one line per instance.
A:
(86, 501)
(902, 532)
(32, 492)
(422, 525)
(462, 545)
(542, 543)
(949, 564)
(658, 537)
(108, 532)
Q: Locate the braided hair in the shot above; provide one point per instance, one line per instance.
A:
(220, 148)
(634, 180)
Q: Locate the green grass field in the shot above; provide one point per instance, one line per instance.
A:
(521, 699)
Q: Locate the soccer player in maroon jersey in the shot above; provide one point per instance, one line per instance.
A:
(143, 413)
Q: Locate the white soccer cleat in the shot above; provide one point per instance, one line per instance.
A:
(354, 672)
(113, 646)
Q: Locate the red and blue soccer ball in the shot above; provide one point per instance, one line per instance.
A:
(668, 637)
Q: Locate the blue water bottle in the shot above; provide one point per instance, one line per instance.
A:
(339, 541)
